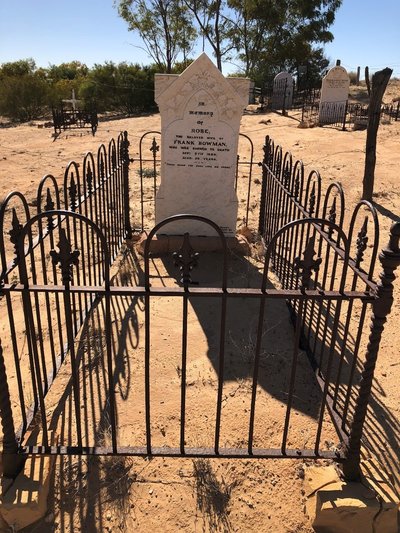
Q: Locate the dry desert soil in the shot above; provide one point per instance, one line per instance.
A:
(98, 494)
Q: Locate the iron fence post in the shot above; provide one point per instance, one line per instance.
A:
(12, 462)
(390, 260)
(345, 116)
(125, 163)
(261, 218)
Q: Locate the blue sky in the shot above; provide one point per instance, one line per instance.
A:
(52, 32)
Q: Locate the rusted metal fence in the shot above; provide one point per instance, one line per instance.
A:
(66, 119)
(344, 114)
(338, 269)
(43, 323)
(72, 302)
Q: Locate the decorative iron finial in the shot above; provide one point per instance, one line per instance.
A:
(186, 260)
(361, 243)
(286, 176)
(73, 193)
(101, 169)
(125, 148)
(332, 217)
(65, 257)
(89, 179)
(49, 206)
(154, 147)
(296, 186)
(306, 266)
(15, 232)
(312, 201)
(113, 157)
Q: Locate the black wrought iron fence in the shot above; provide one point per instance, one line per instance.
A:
(331, 330)
(66, 119)
(37, 341)
(75, 300)
(344, 114)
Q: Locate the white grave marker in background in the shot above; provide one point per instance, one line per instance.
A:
(200, 120)
(334, 95)
(72, 101)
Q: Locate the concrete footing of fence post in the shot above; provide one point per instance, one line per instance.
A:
(24, 499)
(337, 506)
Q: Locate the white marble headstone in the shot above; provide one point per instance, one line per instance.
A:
(334, 95)
(200, 118)
(282, 91)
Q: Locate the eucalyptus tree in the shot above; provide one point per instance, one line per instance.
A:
(214, 21)
(164, 26)
(270, 35)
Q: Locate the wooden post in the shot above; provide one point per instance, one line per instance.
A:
(367, 81)
(358, 77)
(379, 83)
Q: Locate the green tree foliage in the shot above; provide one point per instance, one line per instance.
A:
(164, 26)
(23, 93)
(272, 35)
(123, 87)
(265, 36)
(67, 71)
(27, 93)
(23, 97)
(23, 67)
(215, 25)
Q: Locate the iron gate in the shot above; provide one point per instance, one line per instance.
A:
(93, 312)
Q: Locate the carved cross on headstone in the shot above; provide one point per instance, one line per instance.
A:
(186, 260)
(308, 265)
(66, 258)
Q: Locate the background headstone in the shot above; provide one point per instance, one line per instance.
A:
(282, 91)
(200, 119)
(334, 95)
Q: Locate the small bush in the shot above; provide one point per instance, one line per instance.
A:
(353, 77)
(23, 98)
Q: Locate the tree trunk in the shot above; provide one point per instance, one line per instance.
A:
(379, 83)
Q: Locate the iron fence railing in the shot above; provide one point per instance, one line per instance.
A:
(73, 299)
(97, 192)
(344, 114)
(66, 119)
(331, 332)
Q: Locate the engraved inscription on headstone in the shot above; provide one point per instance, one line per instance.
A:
(282, 91)
(200, 119)
(334, 95)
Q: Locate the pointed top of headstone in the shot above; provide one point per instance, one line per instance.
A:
(230, 93)
(200, 120)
